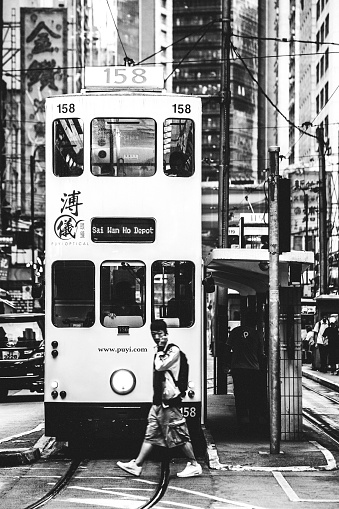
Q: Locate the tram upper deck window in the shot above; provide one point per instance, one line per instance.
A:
(178, 147)
(73, 293)
(122, 295)
(68, 135)
(123, 147)
(173, 292)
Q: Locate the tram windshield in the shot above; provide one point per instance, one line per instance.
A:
(173, 292)
(123, 147)
(68, 135)
(73, 293)
(178, 147)
(122, 297)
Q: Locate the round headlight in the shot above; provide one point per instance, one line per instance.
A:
(123, 381)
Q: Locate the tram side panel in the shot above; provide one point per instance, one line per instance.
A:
(81, 359)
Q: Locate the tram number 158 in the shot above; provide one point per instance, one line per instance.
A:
(181, 108)
(189, 411)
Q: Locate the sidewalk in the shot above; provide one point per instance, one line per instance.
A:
(228, 450)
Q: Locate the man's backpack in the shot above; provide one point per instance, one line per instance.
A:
(182, 382)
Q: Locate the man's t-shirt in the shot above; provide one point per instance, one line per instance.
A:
(247, 348)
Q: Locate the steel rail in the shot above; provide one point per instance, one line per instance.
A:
(58, 487)
(66, 478)
(162, 486)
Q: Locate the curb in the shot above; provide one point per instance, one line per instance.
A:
(13, 458)
(323, 380)
(212, 457)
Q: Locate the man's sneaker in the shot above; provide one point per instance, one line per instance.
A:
(131, 467)
(190, 470)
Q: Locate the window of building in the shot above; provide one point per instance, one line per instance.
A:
(326, 59)
(327, 25)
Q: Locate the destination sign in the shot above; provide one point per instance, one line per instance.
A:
(123, 229)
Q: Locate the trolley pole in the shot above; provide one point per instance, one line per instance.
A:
(274, 347)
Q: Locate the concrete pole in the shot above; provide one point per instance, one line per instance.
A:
(274, 347)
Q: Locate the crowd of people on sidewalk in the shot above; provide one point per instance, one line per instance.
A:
(321, 345)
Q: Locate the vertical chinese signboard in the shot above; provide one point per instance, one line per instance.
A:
(43, 73)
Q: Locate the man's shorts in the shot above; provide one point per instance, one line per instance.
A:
(166, 427)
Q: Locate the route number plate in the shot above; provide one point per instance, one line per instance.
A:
(124, 77)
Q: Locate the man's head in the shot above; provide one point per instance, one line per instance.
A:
(159, 333)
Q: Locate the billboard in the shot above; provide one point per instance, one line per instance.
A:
(43, 35)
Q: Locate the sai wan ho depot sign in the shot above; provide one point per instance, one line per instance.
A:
(123, 229)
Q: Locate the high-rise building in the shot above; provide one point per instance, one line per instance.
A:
(197, 54)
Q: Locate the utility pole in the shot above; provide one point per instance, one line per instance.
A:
(224, 176)
(274, 346)
(224, 168)
(322, 213)
(2, 121)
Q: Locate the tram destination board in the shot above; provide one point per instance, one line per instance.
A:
(123, 229)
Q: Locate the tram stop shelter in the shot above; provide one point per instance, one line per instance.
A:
(247, 272)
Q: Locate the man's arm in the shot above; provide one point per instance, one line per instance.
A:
(164, 361)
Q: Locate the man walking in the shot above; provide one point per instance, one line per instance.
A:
(166, 425)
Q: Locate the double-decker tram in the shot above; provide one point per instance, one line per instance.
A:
(123, 247)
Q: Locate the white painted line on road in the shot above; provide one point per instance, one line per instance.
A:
(129, 496)
(206, 495)
(331, 462)
(286, 487)
(39, 427)
(292, 494)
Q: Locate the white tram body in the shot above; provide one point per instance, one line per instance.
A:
(123, 246)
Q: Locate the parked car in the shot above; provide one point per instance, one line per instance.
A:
(21, 352)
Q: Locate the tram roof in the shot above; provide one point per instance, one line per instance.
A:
(246, 270)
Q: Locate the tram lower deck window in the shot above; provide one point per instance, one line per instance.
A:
(73, 293)
(122, 294)
(173, 292)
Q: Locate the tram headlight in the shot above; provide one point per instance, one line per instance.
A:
(123, 381)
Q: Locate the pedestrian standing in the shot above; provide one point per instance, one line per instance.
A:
(331, 334)
(308, 344)
(244, 354)
(320, 342)
(166, 425)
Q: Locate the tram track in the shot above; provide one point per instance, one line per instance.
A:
(321, 422)
(65, 480)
